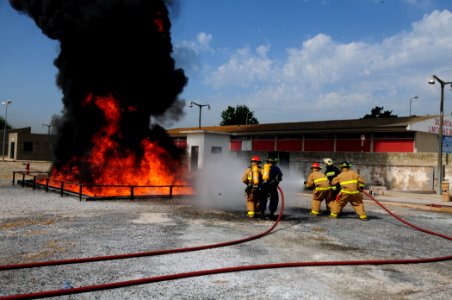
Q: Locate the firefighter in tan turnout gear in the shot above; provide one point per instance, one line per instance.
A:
(351, 183)
(321, 189)
(253, 180)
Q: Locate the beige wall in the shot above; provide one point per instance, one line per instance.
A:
(42, 147)
(395, 171)
(425, 142)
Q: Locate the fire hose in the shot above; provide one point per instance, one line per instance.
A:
(143, 254)
(114, 285)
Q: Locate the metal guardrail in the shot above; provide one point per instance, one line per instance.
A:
(38, 176)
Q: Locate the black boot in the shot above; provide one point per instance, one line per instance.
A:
(272, 216)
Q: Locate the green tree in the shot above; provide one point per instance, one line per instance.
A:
(2, 124)
(377, 112)
(239, 115)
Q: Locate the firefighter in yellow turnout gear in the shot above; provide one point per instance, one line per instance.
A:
(351, 183)
(321, 189)
(253, 180)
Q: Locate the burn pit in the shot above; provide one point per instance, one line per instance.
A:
(115, 71)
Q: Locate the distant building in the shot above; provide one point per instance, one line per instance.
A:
(21, 144)
(404, 134)
(400, 153)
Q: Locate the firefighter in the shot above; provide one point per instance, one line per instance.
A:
(271, 176)
(253, 180)
(332, 171)
(321, 189)
(351, 184)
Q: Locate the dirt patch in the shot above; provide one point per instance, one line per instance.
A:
(8, 167)
(23, 223)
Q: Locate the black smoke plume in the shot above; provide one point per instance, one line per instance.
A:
(120, 48)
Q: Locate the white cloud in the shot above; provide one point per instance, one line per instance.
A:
(202, 43)
(204, 40)
(327, 79)
(244, 68)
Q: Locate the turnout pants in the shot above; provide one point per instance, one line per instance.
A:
(317, 198)
(356, 200)
(252, 201)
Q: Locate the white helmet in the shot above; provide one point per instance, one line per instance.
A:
(328, 161)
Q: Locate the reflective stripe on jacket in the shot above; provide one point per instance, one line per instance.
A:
(318, 180)
(349, 180)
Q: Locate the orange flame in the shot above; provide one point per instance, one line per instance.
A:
(111, 164)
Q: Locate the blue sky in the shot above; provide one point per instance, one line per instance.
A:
(288, 60)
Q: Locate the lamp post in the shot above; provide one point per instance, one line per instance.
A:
(48, 127)
(6, 103)
(411, 100)
(246, 121)
(200, 107)
(441, 121)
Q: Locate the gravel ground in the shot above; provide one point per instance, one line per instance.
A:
(39, 226)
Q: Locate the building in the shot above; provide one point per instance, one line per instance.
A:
(21, 144)
(400, 153)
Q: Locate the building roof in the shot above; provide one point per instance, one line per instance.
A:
(330, 126)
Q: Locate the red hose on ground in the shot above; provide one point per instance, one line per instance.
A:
(114, 285)
(143, 254)
(406, 222)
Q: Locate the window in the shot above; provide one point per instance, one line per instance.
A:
(215, 150)
(28, 147)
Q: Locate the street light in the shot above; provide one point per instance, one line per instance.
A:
(200, 107)
(246, 121)
(48, 127)
(411, 100)
(6, 103)
(441, 121)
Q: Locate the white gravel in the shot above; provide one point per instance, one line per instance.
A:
(39, 226)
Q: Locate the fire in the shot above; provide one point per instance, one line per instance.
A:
(112, 165)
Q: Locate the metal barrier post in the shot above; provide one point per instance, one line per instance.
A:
(34, 182)
(132, 196)
(14, 177)
(23, 179)
(62, 188)
(171, 191)
(445, 190)
(80, 193)
(47, 184)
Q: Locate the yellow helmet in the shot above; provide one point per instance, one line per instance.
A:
(345, 164)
